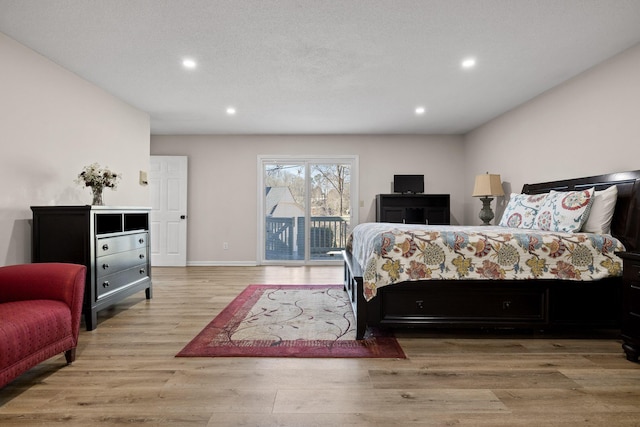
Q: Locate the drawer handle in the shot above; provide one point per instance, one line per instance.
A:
(141, 240)
(105, 247)
(105, 266)
(420, 304)
(141, 256)
(142, 271)
(506, 305)
(105, 284)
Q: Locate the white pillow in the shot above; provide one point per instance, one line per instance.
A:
(604, 203)
(564, 211)
(521, 210)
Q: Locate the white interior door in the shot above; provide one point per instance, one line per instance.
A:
(168, 185)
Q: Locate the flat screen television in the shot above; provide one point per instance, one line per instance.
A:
(408, 183)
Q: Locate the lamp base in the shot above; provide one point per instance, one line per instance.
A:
(486, 214)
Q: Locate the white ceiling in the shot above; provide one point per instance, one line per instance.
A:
(323, 66)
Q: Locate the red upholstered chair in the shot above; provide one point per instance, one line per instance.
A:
(40, 309)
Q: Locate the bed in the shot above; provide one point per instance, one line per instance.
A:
(453, 294)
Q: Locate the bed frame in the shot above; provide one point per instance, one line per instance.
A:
(535, 304)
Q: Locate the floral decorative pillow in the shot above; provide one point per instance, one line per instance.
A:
(564, 211)
(522, 209)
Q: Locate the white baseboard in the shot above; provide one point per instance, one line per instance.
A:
(221, 264)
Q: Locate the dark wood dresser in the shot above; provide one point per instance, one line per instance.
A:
(631, 304)
(431, 209)
(112, 242)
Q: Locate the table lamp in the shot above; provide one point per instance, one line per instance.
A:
(486, 187)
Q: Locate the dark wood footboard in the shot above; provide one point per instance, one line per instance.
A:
(354, 286)
(525, 304)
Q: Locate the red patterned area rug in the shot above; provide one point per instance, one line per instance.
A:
(289, 321)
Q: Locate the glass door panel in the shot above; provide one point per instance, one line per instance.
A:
(307, 209)
(330, 195)
(284, 207)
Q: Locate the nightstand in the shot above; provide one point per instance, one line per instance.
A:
(631, 304)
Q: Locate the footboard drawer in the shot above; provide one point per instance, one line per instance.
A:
(473, 305)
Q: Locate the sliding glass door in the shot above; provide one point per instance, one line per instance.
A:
(306, 208)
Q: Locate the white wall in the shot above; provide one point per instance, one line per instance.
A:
(223, 182)
(53, 123)
(587, 126)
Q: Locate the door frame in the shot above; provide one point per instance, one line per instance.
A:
(352, 159)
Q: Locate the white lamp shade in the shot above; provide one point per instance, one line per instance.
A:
(488, 185)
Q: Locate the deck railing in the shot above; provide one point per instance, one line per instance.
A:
(327, 234)
(279, 237)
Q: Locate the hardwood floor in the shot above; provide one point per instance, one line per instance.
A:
(126, 372)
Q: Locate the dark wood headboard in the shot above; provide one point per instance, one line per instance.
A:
(626, 218)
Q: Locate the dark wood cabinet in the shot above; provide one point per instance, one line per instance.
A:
(413, 208)
(631, 304)
(112, 242)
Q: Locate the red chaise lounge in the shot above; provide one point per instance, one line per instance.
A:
(40, 309)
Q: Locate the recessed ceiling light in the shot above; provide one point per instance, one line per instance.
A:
(469, 63)
(189, 63)
(231, 111)
(420, 110)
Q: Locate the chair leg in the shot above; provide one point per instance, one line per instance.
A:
(70, 355)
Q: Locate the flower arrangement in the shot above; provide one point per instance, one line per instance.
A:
(98, 178)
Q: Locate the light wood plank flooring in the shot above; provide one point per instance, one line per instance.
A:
(126, 372)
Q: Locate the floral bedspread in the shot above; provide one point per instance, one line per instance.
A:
(392, 253)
